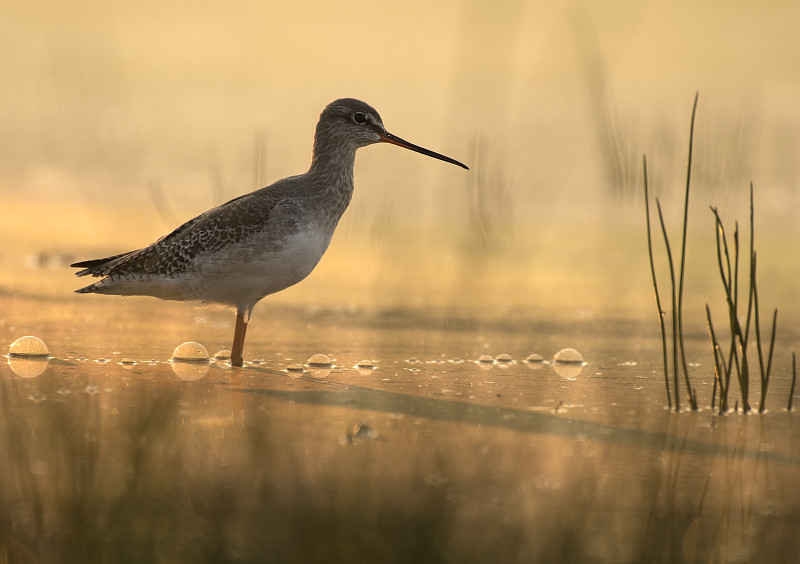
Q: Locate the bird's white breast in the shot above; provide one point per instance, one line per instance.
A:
(242, 274)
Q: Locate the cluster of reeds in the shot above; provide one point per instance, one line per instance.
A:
(678, 349)
(735, 358)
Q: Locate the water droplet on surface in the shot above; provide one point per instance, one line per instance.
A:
(28, 346)
(366, 364)
(191, 370)
(568, 370)
(91, 389)
(294, 370)
(224, 354)
(504, 358)
(455, 360)
(320, 360)
(485, 359)
(568, 356)
(535, 357)
(319, 372)
(128, 362)
(190, 352)
(30, 367)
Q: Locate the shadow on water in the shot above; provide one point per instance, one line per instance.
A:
(507, 418)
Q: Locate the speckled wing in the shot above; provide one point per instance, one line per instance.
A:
(209, 232)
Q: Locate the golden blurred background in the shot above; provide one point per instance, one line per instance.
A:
(121, 121)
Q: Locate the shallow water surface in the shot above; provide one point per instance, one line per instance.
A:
(117, 454)
(124, 120)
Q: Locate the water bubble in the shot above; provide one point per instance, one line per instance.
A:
(28, 346)
(224, 354)
(568, 370)
(30, 367)
(294, 370)
(455, 360)
(568, 356)
(319, 372)
(366, 364)
(190, 352)
(128, 362)
(190, 370)
(485, 359)
(534, 361)
(320, 360)
(506, 358)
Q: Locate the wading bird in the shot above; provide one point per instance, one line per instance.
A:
(259, 243)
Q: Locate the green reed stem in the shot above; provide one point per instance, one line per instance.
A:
(689, 391)
(794, 380)
(765, 370)
(717, 369)
(674, 304)
(655, 283)
(727, 277)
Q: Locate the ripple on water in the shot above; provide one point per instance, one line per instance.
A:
(29, 347)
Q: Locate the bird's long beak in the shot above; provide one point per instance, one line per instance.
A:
(395, 140)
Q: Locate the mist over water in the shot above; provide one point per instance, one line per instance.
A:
(438, 424)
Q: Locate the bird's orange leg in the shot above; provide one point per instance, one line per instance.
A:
(238, 340)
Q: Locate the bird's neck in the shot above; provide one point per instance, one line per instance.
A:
(331, 172)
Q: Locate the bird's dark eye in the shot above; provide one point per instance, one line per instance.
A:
(359, 118)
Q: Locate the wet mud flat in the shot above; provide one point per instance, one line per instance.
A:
(121, 455)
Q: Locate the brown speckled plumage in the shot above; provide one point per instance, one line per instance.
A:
(261, 242)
